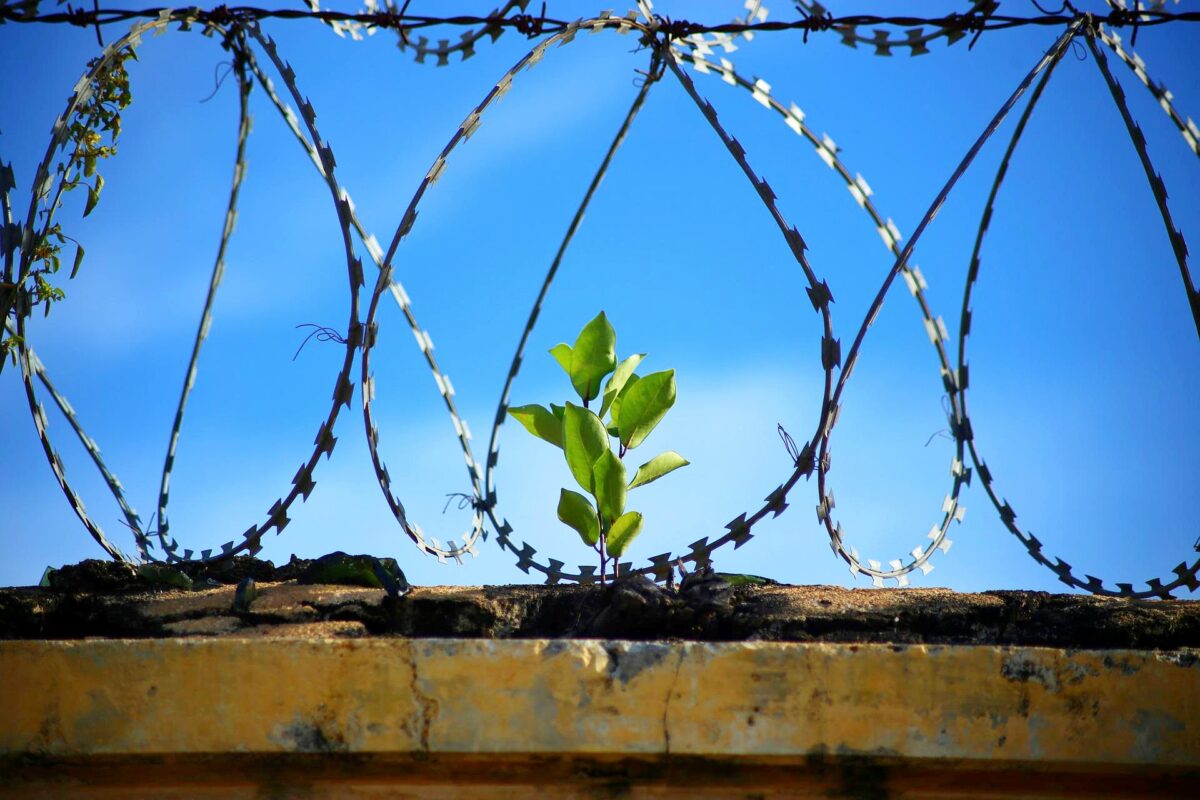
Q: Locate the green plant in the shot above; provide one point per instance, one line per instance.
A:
(97, 116)
(631, 406)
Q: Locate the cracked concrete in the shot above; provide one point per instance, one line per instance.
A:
(666, 716)
(836, 714)
(475, 696)
(427, 706)
(848, 692)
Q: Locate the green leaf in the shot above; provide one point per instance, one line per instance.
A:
(609, 475)
(584, 440)
(78, 260)
(616, 381)
(623, 531)
(644, 405)
(658, 466)
(89, 166)
(575, 510)
(557, 411)
(615, 408)
(593, 356)
(540, 422)
(93, 198)
(562, 354)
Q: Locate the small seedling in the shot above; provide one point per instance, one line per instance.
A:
(630, 406)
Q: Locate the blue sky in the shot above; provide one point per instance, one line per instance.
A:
(1084, 357)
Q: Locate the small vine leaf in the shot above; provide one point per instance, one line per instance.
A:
(623, 531)
(608, 474)
(576, 511)
(593, 356)
(644, 406)
(540, 422)
(557, 411)
(584, 440)
(616, 381)
(656, 467)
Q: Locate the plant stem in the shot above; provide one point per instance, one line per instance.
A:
(603, 558)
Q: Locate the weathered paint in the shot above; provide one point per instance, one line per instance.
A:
(905, 704)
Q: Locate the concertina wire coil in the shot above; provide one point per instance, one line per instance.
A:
(702, 54)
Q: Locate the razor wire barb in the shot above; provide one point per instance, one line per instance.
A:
(672, 45)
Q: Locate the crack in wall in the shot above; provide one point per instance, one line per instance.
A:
(427, 706)
(683, 649)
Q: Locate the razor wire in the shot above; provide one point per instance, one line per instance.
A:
(827, 150)
(553, 570)
(302, 483)
(1187, 128)
(738, 530)
(421, 46)
(672, 44)
(1185, 574)
(935, 327)
(470, 124)
(28, 360)
(916, 40)
(372, 18)
(441, 52)
(189, 381)
(951, 510)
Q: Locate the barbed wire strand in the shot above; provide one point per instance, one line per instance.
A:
(26, 12)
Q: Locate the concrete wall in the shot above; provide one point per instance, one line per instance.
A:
(390, 717)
